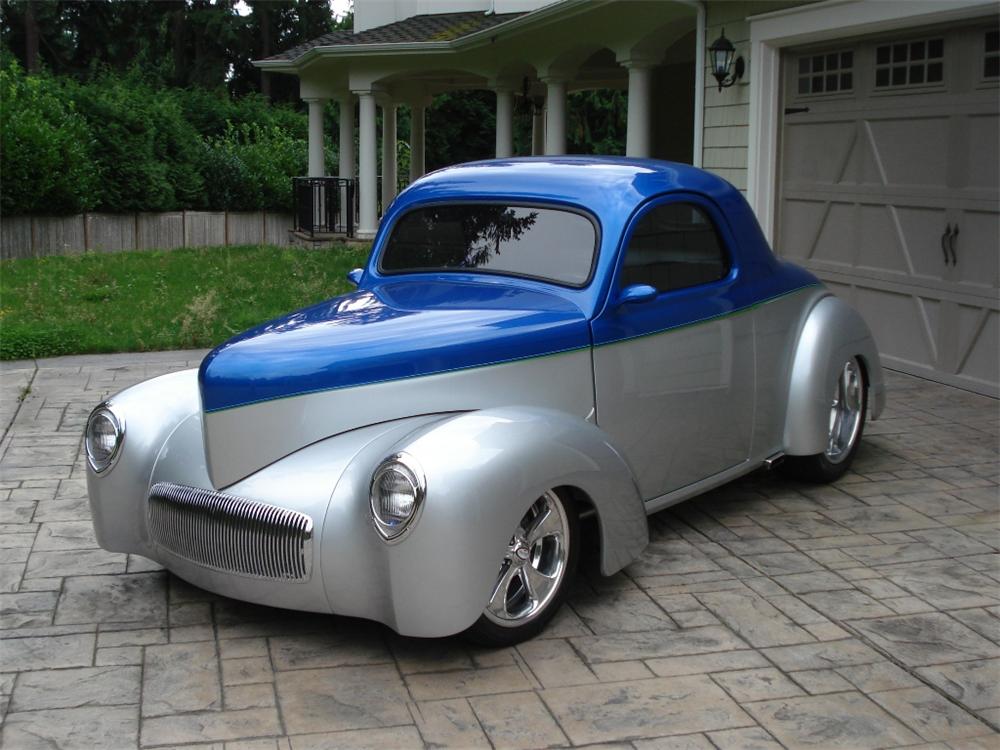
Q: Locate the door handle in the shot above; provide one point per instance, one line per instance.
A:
(944, 242)
(951, 245)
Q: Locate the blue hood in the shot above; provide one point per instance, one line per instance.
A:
(392, 331)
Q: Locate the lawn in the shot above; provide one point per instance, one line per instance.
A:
(155, 300)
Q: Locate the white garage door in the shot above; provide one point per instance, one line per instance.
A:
(889, 190)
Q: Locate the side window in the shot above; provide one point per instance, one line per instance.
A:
(674, 246)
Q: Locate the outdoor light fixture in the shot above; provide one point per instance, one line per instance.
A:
(533, 105)
(720, 58)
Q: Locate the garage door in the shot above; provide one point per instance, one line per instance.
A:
(889, 190)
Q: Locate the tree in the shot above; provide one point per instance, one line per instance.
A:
(460, 127)
(596, 122)
(34, 32)
(275, 26)
(30, 39)
(262, 12)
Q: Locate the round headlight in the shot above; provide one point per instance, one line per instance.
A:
(397, 493)
(103, 439)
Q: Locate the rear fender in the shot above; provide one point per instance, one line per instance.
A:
(833, 332)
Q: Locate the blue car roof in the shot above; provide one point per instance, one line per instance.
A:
(582, 180)
(610, 188)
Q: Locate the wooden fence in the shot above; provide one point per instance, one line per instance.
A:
(37, 236)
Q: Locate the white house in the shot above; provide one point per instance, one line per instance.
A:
(864, 132)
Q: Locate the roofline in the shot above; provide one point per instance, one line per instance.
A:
(476, 38)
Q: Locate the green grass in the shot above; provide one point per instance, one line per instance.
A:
(155, 300)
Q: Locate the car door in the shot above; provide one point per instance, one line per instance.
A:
(673, 366)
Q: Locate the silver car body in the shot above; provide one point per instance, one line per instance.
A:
(628, 427)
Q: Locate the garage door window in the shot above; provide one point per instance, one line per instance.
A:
(905, 64)
(674, 246)
(991, 62)
(829, 73)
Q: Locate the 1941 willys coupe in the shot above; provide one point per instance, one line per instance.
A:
(532, 341)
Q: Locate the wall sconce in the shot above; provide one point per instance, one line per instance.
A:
(720, 57)
(529, 104)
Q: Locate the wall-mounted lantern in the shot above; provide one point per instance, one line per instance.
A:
(725, 69)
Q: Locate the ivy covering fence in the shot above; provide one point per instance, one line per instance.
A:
(118, 144)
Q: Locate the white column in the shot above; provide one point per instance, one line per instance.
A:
(505, 123)
(638, 133)
(388, 154)
(346, 145)
(699, 87)
(345, 169)
(367, 165)
(537, 130)
(317, 161)
(555, 116)
(417, 167)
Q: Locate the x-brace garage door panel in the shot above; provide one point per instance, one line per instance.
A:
(889, 190)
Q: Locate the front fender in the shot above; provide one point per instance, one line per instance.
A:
(150, 412)
(483, 470)
(833, 332)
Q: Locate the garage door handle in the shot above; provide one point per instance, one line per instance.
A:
(951, 245)
(944, 242)
(795, 110)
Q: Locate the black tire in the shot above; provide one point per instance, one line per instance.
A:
(489, 629)
(819, 468)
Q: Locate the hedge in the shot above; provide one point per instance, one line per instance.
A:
(119, 144)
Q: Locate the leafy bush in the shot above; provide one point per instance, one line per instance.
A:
(250, 167)
(45, 147)
(145, 151)
(597, 122)
(460, 127)
(119, 143)
(210, 112)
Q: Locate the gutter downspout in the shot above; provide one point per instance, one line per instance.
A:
(699, 85)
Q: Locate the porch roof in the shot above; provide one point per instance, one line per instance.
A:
(423, 29)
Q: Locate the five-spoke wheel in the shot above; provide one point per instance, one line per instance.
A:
(537, 565)
(848, 405)
(846, 413)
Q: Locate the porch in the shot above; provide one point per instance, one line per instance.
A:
(531, 61)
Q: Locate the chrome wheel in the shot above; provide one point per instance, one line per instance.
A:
(533, 566)
(846, 413)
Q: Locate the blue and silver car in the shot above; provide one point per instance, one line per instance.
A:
(533, 342)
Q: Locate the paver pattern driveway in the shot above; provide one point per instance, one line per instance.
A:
(764, 614)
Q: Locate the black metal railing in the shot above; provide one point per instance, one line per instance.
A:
(325, 205)
(331, 205)
(402, 182)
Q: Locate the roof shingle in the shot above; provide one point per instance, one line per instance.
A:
(438, 27)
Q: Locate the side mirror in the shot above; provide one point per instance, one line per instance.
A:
(354, 275)
(637, 293)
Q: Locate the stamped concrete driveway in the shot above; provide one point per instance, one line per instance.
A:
(764, 614)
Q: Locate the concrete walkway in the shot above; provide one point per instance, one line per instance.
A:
(764, 614)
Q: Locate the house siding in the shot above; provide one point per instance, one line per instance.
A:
(727, 112)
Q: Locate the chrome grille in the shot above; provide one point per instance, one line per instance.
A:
(230, 533)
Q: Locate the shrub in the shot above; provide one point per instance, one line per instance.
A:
(210, 112)
(118, 143)
(45, 147)
(251, 166)
(145, 151)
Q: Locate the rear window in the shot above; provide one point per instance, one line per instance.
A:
(543, 243)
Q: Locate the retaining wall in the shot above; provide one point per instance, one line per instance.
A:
(38, 236)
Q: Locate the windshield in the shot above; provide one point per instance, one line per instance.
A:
(545, 243)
